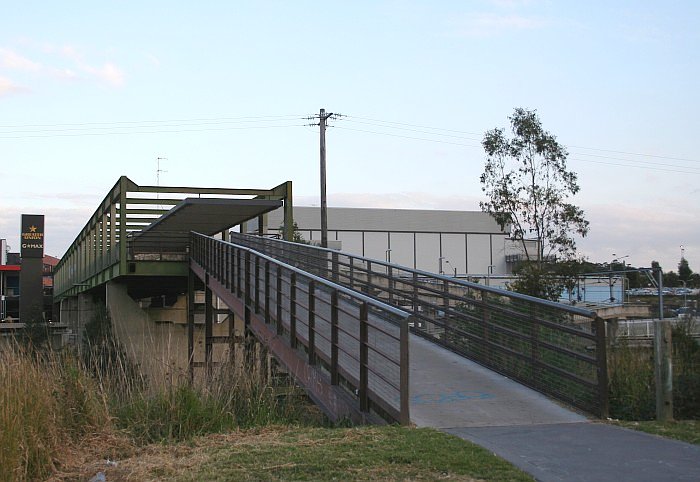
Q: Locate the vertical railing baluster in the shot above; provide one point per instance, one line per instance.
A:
(278, 296)
(267, 291)
(293, 310)
(247, 292)
(312, 323)
(334, 337)
(208, 326)
(239, 278)
(391, 283)
(404, 416)
(602, 367)
(257, 284)
(364, 359)
(190, 324)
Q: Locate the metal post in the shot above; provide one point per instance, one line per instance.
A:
(334, 337)
(247, 293)
(404, 416)
(293, 310)
(312, 323)
(208, 326)
(257, 284)
(267, 292)
(602, 371)
(190, 324)
(663, 363)
(278, 297)
(364, 359)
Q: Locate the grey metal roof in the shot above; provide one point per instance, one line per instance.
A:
(208, 216)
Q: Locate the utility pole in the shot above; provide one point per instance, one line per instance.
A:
(323, 117)
(663, 364)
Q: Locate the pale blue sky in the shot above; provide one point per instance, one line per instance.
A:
(619, 76)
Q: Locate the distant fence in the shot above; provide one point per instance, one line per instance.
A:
(557, 349)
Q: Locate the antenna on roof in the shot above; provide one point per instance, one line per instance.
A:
(158, 169)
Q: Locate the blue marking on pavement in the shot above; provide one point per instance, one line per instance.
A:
(456, 396)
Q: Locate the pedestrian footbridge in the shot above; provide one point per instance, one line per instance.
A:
(369, 340)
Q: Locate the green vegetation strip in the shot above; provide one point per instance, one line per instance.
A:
(284, 453)
(683, 430)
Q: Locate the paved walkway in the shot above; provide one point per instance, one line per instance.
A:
(529, 430)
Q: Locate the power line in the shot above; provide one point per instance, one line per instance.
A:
(681, 169)
(390, 124)
(243, 118)
(174, 131)
(407, 137)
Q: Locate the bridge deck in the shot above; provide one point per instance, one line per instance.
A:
(449, 391)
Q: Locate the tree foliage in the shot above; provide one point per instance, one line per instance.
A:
(684, 271)
(528, 186)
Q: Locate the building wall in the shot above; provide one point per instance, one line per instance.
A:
(466, 241)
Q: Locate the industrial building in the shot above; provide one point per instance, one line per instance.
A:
(457, 243)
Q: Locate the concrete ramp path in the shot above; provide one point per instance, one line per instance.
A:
(448, 390)
(534, 433)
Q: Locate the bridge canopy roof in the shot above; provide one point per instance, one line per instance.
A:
(208, 216)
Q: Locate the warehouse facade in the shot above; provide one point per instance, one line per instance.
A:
(457, 243)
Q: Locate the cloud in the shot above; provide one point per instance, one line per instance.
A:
(13, 61)
(109, 73)
(7, 87)
(490, 24)
(59, 63)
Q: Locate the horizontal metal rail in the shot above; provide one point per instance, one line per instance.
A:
(358, 343)
(554, 348)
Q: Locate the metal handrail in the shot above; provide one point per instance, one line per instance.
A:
(426, 274)
(377, 373)
(557, 349)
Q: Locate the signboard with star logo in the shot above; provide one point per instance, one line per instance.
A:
(32, 237)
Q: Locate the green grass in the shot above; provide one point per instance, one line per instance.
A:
(683, 430)
(286, 453)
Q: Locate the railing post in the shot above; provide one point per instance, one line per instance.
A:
(267, 291)
(247, 292)
(352, 273)
(415, 293)
(404, 416)
(208, 325)
(190, 324)
(278, 297)
(257, 284)
(312, 323)
(227, 267)
(487, 324)
(534, 342)
(334, 266)
(391, 284)
(239, 280)
(364, 359)
(334, 337)
(602, 357)
(445, 312)
(293, 310)
(369, 277)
